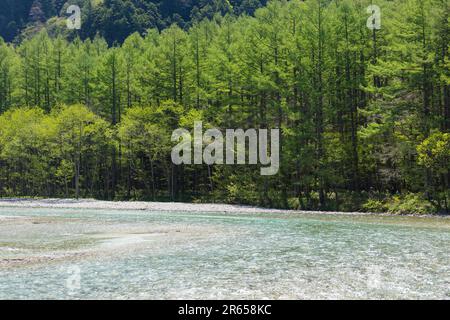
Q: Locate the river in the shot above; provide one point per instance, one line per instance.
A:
(137, 254)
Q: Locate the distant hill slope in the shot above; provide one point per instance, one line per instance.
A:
(115, 19)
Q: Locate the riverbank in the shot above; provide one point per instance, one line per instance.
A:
(91, 204)
(133, 205)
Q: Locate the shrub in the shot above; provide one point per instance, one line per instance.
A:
(294, 203)
(410, 204)
(374, 205)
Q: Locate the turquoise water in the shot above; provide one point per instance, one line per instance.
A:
(100, 254)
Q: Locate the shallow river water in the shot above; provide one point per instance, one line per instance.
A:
(112, 254)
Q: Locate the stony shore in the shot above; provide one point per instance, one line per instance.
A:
(91, 204)
(148, 206)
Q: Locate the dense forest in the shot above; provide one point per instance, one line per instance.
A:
(114, 20)
(364, 113)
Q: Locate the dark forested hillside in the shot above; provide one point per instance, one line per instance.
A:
(13, 17)
(115, 19)
(364, 113)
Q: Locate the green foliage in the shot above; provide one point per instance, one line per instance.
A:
(241, 192)
(294, 204)
(410, 204)
(374, 206)
(434, 152)
(364, 114)
(42, 153)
